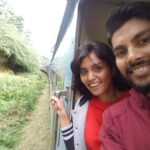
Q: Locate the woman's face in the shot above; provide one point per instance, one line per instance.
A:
(96, 75)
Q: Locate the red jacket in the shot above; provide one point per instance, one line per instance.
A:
(126, 124)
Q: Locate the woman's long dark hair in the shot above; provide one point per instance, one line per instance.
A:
(104, 52)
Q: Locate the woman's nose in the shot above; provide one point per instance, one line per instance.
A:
(91, 75)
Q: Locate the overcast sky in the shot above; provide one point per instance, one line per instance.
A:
(42, 18)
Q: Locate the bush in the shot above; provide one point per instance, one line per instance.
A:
(18, 96)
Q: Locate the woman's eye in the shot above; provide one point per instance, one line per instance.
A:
(97, 68)
(83, 72)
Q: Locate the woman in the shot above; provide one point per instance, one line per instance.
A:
(99, 82)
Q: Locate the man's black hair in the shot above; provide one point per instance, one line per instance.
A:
(125, 12)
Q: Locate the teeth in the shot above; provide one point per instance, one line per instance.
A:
(140, 69)
(137, 70)
(94, 84)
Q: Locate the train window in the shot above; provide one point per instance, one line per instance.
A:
(62, 76)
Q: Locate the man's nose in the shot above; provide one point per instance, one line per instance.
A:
(134, 55)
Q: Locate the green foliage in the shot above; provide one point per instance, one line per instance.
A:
(18, 96)
(15, 44)
(7, 14)
(59, 81)
(62, 69)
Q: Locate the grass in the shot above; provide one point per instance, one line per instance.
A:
(18, 97)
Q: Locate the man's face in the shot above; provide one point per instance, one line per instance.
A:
(131, 46)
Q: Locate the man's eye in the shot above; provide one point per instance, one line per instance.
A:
(144, 41)
(120, 53)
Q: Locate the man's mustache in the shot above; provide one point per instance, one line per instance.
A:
(133, 66)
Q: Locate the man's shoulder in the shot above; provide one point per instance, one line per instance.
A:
(116, 109)
(121, 107)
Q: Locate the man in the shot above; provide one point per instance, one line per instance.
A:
(126, 125)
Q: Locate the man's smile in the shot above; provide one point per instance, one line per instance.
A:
(139, 69)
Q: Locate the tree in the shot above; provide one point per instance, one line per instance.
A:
(15, 44)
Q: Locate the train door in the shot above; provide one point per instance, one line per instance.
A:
(87, 19)
(59, 69)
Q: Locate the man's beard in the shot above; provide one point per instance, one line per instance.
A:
(142, 89)
(145, 89)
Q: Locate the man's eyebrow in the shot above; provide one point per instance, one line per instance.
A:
(140, 34)
(118, 48)
(134, 38)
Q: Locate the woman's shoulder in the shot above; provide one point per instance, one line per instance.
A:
(82, 100)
